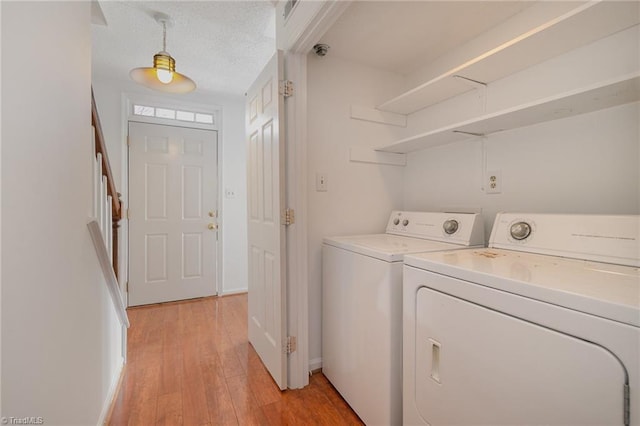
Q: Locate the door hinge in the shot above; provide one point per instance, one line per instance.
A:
(128, 215)
(627, 409)
(288, 217)
(128, 140)
(292, 344)
(286, 88)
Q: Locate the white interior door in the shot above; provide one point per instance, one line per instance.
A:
(173, 193)
(266, 233)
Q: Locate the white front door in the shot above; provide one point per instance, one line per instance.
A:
(173, 193)
(266, 232)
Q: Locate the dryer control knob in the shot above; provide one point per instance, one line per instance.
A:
(396, 221)
(450, 226)
(405, 222)
(520, 230)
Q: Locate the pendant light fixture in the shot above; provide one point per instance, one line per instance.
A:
(163, 76)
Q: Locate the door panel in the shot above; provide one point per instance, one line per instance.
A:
(172, 190)
(479, 366)
(265, 178)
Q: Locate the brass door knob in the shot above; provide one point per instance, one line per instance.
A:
(212, 226)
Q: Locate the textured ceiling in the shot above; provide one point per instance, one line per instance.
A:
(400, 36)
(221, 45)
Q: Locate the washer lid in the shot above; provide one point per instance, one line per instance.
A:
(601, 289)
(387, 247)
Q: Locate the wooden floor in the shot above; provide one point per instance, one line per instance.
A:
(189, 363)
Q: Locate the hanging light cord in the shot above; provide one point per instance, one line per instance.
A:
(164, 36)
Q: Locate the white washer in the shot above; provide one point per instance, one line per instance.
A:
(542, 327)
(362, 306)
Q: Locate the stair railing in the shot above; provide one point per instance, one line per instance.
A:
(107, 212)
(115, 210)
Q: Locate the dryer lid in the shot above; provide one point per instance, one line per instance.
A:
(600, 289)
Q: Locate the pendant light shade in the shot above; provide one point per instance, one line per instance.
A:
(163, 76)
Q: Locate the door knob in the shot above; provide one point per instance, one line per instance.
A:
(212, 226)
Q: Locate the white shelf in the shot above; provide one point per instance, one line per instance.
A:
(582, 25)
(606, 94)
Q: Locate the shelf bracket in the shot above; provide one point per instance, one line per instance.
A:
(370, 155)
(470, 133)
(475, 83)
(377, 116)
(479, 85)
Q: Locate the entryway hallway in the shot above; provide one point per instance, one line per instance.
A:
(190, 363)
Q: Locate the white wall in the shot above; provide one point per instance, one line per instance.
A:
(360, 196)
(109, 98)
(584, 164)
(234, 210)
(60, 337)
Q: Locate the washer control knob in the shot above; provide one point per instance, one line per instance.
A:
(396, 221)
(450, 226)
(520, 230)
(405, 222)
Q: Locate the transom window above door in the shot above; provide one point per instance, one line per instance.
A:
(173, 114)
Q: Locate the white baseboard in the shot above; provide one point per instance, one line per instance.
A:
(111, 394)
(230, 292)
(315, 364)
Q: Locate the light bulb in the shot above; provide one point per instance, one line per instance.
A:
(165, 76)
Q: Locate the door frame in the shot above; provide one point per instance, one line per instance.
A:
(128, 100)
(312, 21)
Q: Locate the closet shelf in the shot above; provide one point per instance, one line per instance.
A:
(606, 94)
(580, 26)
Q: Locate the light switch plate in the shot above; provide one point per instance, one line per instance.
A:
(321, 182)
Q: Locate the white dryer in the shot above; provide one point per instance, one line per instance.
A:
(362, 305)
(542, 327)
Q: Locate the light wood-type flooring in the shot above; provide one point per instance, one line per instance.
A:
(190, 363)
